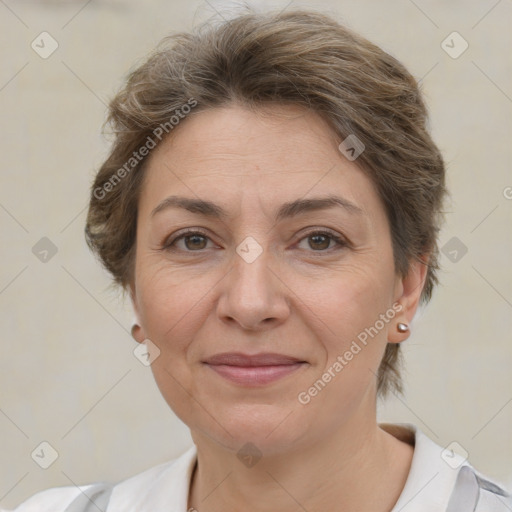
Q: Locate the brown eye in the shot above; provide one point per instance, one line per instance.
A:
(320, 241)
(193, 241)
(196, 241)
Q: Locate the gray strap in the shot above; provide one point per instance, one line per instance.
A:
(93, 499)
(465, 494)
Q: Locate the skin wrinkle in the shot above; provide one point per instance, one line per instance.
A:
(287, 301)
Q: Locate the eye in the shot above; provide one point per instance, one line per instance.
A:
(195, 241)
(321, 240)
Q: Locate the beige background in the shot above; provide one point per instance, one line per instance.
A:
(68, 375)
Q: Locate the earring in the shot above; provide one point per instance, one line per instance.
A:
(401, 327)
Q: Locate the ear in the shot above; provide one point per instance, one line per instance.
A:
(137, 331)
(408, 293)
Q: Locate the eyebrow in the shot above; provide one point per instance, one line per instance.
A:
(286, 210)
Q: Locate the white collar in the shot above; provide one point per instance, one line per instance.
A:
(165, 488)
(431, 479)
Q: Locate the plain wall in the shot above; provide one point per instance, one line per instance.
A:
(67, 372)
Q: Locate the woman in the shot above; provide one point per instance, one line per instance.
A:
(271, 203)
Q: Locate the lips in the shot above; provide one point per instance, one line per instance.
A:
(253, 370)
(239, 359)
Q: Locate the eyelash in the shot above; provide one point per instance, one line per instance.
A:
(168, 246)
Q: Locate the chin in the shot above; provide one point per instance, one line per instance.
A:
(270, 428)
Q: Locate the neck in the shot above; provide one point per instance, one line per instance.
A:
(356, 468)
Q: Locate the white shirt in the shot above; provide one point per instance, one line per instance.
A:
(439, 480)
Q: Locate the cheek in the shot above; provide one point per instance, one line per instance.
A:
(357, 309)
(354, 300)
(172, 311)
(171, 302)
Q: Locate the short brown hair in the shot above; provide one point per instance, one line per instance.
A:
(300, 57)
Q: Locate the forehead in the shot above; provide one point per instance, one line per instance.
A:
(241, 156)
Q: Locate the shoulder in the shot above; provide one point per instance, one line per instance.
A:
(55, 499)
(441, 480)
(121, 496)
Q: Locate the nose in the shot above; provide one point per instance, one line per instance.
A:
(253, 295)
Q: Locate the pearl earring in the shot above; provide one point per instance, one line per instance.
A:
(401, 327)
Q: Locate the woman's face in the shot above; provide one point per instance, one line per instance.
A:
(316, 286)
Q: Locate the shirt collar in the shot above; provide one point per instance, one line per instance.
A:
(428, 487)
(433, 471)
(163, 488)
